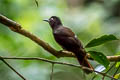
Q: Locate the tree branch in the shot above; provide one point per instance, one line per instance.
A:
(51, 76)
(12, 68)
(109, 70)
(18, 29)
(55, 62)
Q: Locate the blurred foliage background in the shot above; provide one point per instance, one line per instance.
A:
(87, 18)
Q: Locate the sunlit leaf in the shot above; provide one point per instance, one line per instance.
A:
(117, 64)
(101, 40)
(99, 57)
(117, 76)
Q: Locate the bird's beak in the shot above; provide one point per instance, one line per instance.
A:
(46, 20)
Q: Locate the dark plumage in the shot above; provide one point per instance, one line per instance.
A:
(68, 40)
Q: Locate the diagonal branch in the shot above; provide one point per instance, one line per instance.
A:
(15, 27)
(18, 29)
(109, 70)
(12, 68)
(116, 72)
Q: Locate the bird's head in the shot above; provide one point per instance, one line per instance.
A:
(54, 21)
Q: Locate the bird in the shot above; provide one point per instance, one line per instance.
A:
(67, 39)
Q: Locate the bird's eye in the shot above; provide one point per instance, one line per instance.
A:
(52, 19)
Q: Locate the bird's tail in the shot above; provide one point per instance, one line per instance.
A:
(81, 56)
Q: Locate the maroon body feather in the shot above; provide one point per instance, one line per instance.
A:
(69, 41)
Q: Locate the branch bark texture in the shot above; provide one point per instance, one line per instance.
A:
(55, 62)
(16, 27)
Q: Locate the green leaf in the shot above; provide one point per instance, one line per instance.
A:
(101, 40)
(117, 64)
(117, 76)
(99, 57)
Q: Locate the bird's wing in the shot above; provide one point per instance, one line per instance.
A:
(64, 31)
(65, 37)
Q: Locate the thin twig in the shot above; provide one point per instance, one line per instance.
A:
(93, 77)
(55, 62)
(116, 72)
(36, 3)
(15, 27)
(103, 74)
(108, 70)
(51, 76)
(13, 69)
